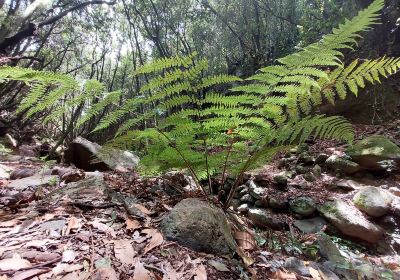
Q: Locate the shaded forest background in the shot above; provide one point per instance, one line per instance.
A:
(109, 40)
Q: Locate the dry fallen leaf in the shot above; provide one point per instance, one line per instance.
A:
(142, 209)
(245, 240)
(314, 273)
(28, 274)
(218, 265)
(73, 223)
(14, 263)
(61, 268)
(68, 256)
(132, 224)
(281, 275)
(169, 273)
(155, 241)
(103, 227)
(124, 251)
(141, 273)
(200, 273)
(105, 273)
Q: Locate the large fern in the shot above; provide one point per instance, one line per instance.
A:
(57, 94)
(304, 79)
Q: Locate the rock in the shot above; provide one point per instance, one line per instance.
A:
(243, 191)
(264, 218)
(303, 206)
(196, 224)
(301, 169)
(350, 221)
(256, 191)
(306, 158)
(32, 181)
(248, 199)
(321, 158)
(329, 250)
(73, 176)
(22, 173)
(373, 201)
(309, 177)
(4, 172)
(328, 274)
(371, 151)
(299, 182)
(261, 203)
(342, 164)
(313, 225)
(396, 207)
(395, 191)
(283, 177)
(317, 171)
(29, 150)
(244, 208)
(177, 182)
(347, 185)
(278, 204)
(296, 265)
(88, 156)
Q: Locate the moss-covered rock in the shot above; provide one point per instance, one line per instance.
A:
(303, 206)
(371, 151)
(373, 201)
(341, 164)
(350, 221)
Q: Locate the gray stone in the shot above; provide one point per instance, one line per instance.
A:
(235, 203)
(372, 151)
(309, 177)
(373, 201)
(32, 181)
(306, 159)
(256, 191)
(248, 199)
(90, 156)
(283, 177)
(329, 250)
(299, 182)
(313, 225)
(243, 208)
(300, 169)
(244, 191)
(396, 207)
(296, 265)
(350, 221)
(278, 204)
(22, 173)
(342, 164)
(347, 185)
(264, 218)
(197, 225)
(321, 158)
(395, 191)
(317, 171)
(303, 206)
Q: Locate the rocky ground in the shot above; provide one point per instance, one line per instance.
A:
(318, 211)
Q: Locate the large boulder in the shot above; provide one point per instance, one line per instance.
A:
(350, 221)
(373, 201)
(89, 156)
(197, 225)
(372, 151)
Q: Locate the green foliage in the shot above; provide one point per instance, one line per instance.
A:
(58, 94)
(302, 80)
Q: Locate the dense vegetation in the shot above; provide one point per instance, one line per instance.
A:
(184, 116)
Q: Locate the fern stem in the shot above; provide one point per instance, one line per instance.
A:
(226, 163)
(187, 163)
(207, 166)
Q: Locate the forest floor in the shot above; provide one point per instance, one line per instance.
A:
(46, 234)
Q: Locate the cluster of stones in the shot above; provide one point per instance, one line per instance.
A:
(352, 217)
